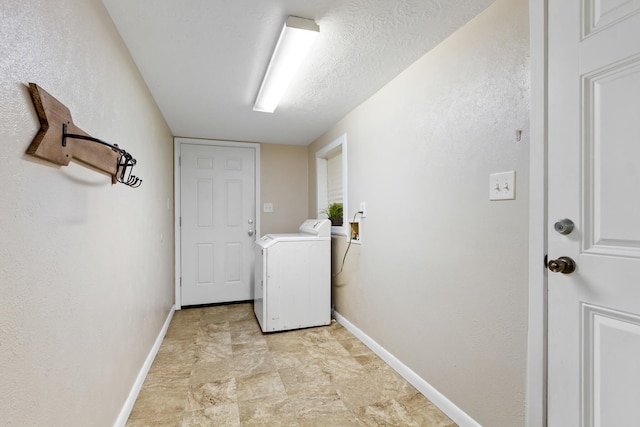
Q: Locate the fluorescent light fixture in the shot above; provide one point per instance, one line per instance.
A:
(295, 41)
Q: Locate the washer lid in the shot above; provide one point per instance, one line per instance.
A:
(272, 239)
(316, 227)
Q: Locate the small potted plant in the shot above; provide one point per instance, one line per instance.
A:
(334, 213)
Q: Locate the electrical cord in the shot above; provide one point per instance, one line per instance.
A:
(348, 246)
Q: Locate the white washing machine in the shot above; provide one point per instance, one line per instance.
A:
(293, 278)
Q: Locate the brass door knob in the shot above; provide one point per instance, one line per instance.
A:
(564, 265)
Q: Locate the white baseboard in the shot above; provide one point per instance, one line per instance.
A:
(449, 408)
(137, 385)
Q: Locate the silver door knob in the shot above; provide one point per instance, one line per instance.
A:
(564, 226)
(250, 232)
(564, 265)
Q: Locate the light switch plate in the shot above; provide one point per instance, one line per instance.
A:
(267, 207)
(502, 186)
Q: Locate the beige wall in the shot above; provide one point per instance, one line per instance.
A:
(440, 279)
(86, 268)
(284, 178)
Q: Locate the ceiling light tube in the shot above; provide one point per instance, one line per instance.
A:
(295, 41)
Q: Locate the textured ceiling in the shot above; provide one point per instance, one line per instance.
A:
(204, 60)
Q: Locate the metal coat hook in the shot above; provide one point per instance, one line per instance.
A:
(125, 163)
(55, 121)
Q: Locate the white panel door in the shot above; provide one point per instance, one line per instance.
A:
(217, 202)
(594, 180)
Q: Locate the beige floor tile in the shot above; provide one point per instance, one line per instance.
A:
(341, 367)
(260, 386)
(203, 396)
(336, 419)
(291, 358)
(328, 349)
(248, 342)
(425, 412)
(212, 351)
(160, 400)
(284, 341)
(226, 313)
(211, 328)
(247, 337)
(182, 331)
(244, 325)
(309, 377)
(218, 337)
(371, 362)
(314, 336)
(355, 347)
(226, 415)
(188, 315)
(178, 343)
(206, 372)
(242, 365)
(171, 420)
(250, 348)
(339, 332)
(171, 367)
(216, 368)
(272, 411)
(369, 389)
(321, 410)
(387, 413)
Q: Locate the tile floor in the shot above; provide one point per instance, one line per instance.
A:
(216, 368)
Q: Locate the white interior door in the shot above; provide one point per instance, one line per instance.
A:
(218, 223)
(594, 180)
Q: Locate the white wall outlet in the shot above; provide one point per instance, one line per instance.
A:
(267, 207)
(502, 186)
(363, 209)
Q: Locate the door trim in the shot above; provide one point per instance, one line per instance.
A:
(177, 141)
(536, 400)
